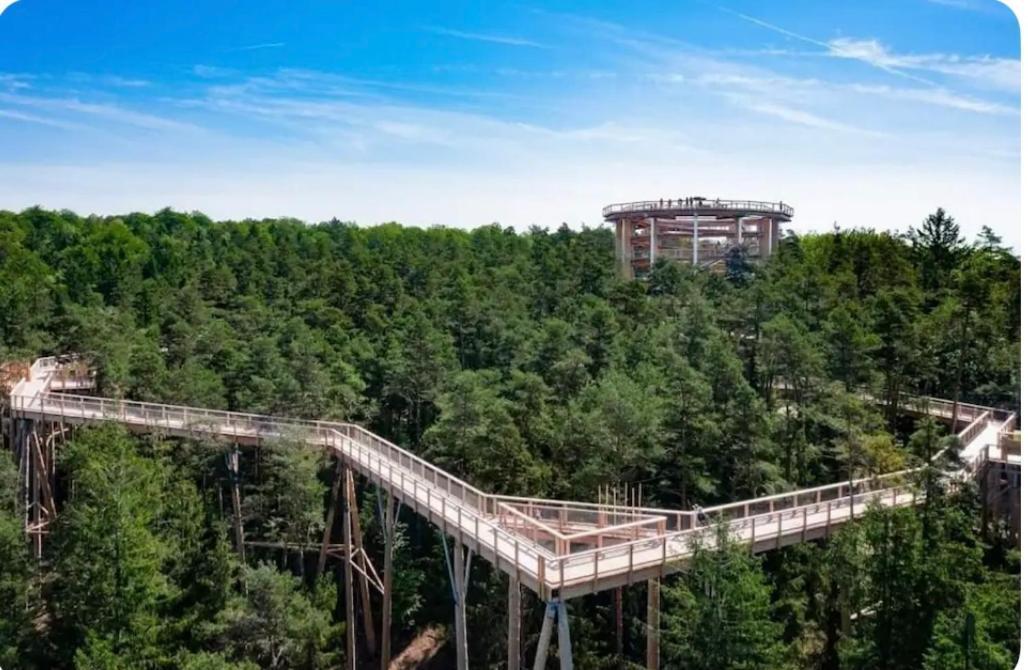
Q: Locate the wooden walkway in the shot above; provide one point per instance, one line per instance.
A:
(551, 559)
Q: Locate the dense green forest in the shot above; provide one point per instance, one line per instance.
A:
(519, 362)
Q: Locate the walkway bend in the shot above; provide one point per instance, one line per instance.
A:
(551, 545)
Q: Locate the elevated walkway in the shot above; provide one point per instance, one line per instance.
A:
(551, 546)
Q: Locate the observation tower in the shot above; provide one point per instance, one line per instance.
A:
(698, 231)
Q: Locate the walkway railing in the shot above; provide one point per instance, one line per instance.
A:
(441, 497)
(541, 538)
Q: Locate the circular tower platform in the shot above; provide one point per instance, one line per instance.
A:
(696, 231)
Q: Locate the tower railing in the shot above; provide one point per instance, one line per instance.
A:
(699, 204)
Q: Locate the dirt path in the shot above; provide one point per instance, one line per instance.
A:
(421, 650)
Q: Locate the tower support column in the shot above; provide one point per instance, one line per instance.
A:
(695, 240)
(619, 247)
(653, 242)
(624, 242)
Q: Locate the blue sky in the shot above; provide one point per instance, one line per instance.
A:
(867, 113)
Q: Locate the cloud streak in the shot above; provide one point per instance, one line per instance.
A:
(265, 45)
(39, 120)
(1001, 73)
(506, 40)
(115, 114)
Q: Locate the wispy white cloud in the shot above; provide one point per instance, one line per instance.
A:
(937, 96)
(1002, 73)
(772, 86)
(126, 82)
(508, 40)
(212, 71)
(804, 118)
(115, 114)
(15, 81)
(39, 120)
(264, 45)
(109, 80)
(837, 47)
(972, 5)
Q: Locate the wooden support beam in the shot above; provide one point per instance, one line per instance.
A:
(330, 517)
(36, 473)
(653, 624)
(237, 502)
(358, 543)
(43, 473)
(514, 622)
(619, 627)
(351, 632)
(388, 528)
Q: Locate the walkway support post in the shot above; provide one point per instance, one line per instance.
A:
(351, 631)
(44, 509)
(330, 517)
(653, 624)
(388, 531)
(514, 622)
(544, 636)
(460, 583)
(556, 612)
(619, 627)
(358, 545)
(237, 502)
(564, 636)
(459, 572)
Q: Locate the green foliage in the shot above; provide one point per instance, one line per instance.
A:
(719, 615)
(275, 624)
(107, 583)
(15, 572)
(212, 661)
(520, 362)
(287, 504)
(475, 437)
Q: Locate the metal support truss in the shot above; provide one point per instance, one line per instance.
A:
(459, 572)
(556, 612)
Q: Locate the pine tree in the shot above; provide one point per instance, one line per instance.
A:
(718, 616)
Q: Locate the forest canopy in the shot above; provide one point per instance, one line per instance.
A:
(519, 362)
